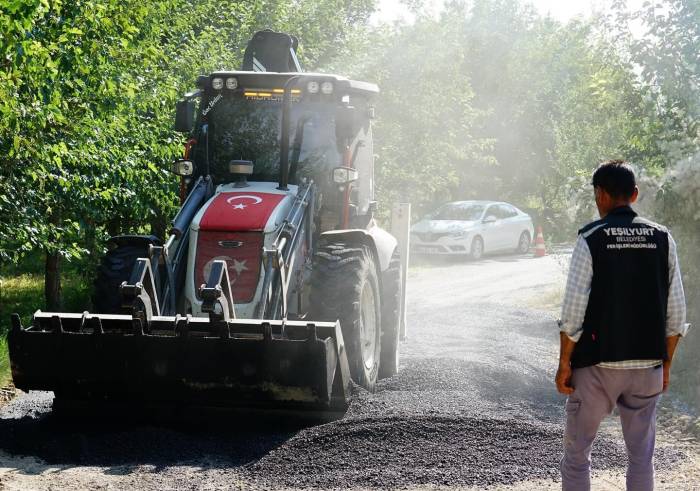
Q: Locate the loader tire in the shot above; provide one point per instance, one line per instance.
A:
(116, 267)
(345, 287)
(392, 285)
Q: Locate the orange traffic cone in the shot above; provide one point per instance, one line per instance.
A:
(540, 250)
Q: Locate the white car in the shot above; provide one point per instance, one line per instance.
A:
(473, 228)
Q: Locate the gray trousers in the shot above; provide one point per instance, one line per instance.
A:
(596, 392)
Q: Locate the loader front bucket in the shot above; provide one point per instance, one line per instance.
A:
(183, 360)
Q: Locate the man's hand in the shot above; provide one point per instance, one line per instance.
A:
(667, 374)
(671, 343)
(563, 379)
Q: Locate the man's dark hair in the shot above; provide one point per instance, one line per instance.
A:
(616, 177)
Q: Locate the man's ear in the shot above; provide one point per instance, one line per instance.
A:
(602, 196)
(635, 195)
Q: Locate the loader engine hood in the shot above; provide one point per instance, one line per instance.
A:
(239, 211)
(232, 227)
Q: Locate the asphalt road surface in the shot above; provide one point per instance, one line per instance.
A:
(473, 407)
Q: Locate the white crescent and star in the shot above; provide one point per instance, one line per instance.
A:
(243, 206)
(237, 266)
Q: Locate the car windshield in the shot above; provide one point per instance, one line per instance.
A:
(243, 128)
(458, 211)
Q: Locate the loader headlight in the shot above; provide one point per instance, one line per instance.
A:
(232, 83)
(217, 83)
(182, 167)
(327, 88)
(312, 87)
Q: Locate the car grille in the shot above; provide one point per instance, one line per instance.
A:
(430, 236)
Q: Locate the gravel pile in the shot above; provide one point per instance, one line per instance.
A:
(398, 452)
(27, 427)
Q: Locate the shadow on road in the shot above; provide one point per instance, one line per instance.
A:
(109, 441)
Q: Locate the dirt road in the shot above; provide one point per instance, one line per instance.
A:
(473, 407)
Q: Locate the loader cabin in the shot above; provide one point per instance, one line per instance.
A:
(239, 117)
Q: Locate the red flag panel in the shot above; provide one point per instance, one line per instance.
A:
(240, 211)
(243, 255)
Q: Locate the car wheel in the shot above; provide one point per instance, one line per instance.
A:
(523, 243)
(477, 249)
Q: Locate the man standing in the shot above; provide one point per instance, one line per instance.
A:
(622, 316)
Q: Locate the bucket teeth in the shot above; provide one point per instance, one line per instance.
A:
(137, 326)
(312, 332)
(224, 331)
(182, 326)
(267, 331)
(56, 325)
(96, 324)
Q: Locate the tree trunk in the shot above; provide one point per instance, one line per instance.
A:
(52, 282)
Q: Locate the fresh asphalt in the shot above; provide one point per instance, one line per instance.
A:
(473, 405)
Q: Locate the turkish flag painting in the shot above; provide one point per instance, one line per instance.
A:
(240, 211)
(243, 255)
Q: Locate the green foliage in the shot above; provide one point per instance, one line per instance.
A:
(4, 363)
(71, 143)
(425, 118)
(667, 59)
(493, 101)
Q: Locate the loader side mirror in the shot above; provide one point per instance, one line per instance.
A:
(184, 115)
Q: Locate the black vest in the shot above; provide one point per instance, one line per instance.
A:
(626, 314)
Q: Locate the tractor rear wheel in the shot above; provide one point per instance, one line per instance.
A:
(392, 285)
(345, 287)
(116, 267)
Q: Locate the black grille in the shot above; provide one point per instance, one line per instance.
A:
(430, 236)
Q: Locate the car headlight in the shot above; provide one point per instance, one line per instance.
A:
(459, 234)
